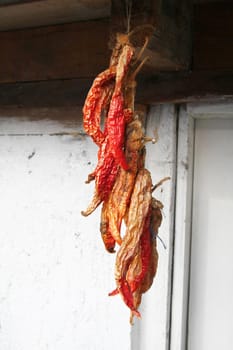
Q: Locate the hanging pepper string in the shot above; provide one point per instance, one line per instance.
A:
(128, 7)
(122, 183)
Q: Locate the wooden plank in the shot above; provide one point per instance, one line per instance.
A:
(166, 23)
(173, 87)
(55, 52)
(55, 93)
(151, 332)
(213, 36)
(182, 231)
(66, 119)
(14, 2)
(35, 13)
(185, 86)
(76, 50)
(80, 50)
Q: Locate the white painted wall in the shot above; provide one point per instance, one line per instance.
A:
(55, 274)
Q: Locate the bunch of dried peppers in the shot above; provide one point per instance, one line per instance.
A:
(122, 184)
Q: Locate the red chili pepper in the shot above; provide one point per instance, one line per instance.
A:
(118, 201)
(127, 288)
(99, 92)
(126, 293)
(117, 118)
(95, 102)
(112, 139)
(104, 174)
(115, 126)
(145, 244)
(123, 66)
(109, 241)
(127, 296)
(138, 215)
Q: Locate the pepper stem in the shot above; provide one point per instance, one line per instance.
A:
(160, 183)
(149, 139)
(142, 49)
(139, 67)
(152, 139)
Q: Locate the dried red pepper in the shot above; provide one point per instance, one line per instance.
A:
(112, 140)
(138, 214)
(121, 181)
(109, 241)
(145, 255)
(117, 203)
(104, 175)
(96, 99)
(117, 116)
(151, 262)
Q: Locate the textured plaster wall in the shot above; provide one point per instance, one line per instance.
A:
(54, 272)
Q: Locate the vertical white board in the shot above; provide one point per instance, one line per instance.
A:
(211, 276)
(183, 213)
(152, 331)
(192, 234)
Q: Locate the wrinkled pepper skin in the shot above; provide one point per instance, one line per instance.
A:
(108, 240)
(126, 293)
(104, 181)
(115, 127)
(101, 91)
(122, 39)
(135, 268)
(155, 223)
(96, 100)
(122, 184)
(119, 198)
(156, 216)
(111, 141)
(138, 213)
(146, 282)
(96, 200)
(145, 255)
(117, 116)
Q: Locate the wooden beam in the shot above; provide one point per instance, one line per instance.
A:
(185, 87)
(53, 93)
(55, 66)
(167, 87)
(16, 14)
(74, 50)
(15, 2)
(213, 36)
(81, 49)
(168, 25)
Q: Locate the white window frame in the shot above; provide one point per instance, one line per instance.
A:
(183, 212)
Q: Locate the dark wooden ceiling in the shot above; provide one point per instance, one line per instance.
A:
(15, 14)
(52, 49)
